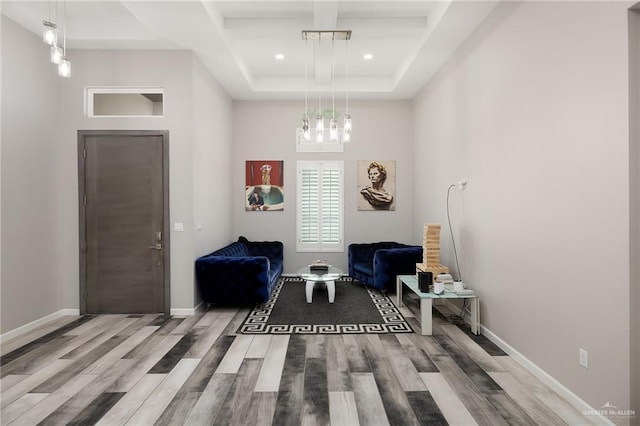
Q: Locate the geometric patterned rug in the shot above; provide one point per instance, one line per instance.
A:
(358, 309)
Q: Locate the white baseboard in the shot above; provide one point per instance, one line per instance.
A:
(62, 312)
(544, 377)
(37, 323)
(186, 311)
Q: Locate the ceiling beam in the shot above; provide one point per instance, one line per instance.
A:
(256, 27)
(325, 15)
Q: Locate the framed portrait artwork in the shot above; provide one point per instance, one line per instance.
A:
(376, 185)
(264, 187)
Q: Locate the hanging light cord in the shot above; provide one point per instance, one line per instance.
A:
(346, 66)
(453, 241)
(320, 89)
(333, 71)
(64, 28)
(306, 85)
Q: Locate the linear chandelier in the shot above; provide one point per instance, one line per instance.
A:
(335, 133)
(50, 37)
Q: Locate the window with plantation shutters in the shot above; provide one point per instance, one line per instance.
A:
(320, 206)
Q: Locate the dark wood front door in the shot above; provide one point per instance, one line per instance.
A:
(123, 182)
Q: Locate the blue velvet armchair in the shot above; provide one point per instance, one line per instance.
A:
(242, 273)
(377, 264)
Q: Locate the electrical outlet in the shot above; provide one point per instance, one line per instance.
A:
(584, 358)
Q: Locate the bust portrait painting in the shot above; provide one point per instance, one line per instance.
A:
(376, 184)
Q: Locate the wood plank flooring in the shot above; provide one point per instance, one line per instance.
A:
(151, 370)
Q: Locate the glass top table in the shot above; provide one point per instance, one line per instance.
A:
(318, 279)
(426, 303)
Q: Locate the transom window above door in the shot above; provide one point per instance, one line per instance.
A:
(125, 101)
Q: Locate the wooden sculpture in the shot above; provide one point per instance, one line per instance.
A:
(431, 251)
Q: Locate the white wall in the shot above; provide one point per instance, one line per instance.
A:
(197, 114)
(533, 111)
(634, 199)
(39, 170)
(0, 168)
(169, 69)
(31, 105)
(212, 121)
(266, 131)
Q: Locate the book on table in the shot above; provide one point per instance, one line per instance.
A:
(319, 266)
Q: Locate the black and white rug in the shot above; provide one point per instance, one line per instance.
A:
(357, 309)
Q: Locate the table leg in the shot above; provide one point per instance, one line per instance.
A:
(426, 306)
(309, 290)
(399, 291)
(331, 290)
(475, 315)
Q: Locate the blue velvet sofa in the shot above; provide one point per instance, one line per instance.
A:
(242, 273)
(377, 264)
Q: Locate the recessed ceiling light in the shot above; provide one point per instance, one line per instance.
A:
(368, 56)
(279, 56)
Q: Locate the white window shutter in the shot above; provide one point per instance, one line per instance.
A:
(320, 206)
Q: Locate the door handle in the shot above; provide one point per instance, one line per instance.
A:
(156, 246)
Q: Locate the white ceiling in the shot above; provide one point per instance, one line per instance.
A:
(238, 39)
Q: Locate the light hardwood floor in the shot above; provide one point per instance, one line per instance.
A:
(145, 370)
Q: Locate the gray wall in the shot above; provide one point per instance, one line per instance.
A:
(266, 131)
(31, 119)
(634, 203)
(190, 98)
(537, 121)
(42, 113)
(1, 19)
(212, 122)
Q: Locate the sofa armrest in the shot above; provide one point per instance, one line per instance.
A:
(387, 263)
(218, 275)
(361, 253)
(274, 250)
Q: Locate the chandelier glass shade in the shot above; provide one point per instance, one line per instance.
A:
(64, 68)
(49, 33)
(333, 130)
(319, 128)
(346, 137)
(56, 54)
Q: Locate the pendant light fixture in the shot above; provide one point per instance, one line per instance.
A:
(49, 33)
(334, 131)
(306, 132)
(50, 30)
(64, 66)
(346, 135)
(56, 54)
(333, 125)
(320, 117)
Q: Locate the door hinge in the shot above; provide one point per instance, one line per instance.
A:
(84, 153)
(84, 201)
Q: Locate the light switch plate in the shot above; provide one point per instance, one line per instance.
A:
(178, 226)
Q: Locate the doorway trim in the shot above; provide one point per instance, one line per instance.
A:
(82, 220)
